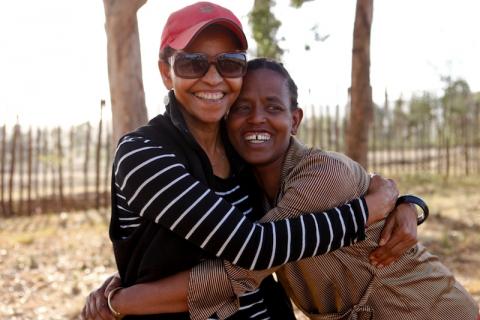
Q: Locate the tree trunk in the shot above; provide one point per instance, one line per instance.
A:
(124, 65)
(361, 91)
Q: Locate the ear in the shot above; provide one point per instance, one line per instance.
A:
(165, 72)
(297, 116)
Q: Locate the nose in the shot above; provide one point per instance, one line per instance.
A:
(212, 77)
(256, 115)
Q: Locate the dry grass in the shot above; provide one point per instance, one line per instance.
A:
(50, 263)
(452, 232)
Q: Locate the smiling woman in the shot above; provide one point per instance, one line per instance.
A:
(298, 179)
(261, 122)
(207, 95)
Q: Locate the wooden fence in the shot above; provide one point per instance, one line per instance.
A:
(54, 169)
(425, 148)
(57, 169)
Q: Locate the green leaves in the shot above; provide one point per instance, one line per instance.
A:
(264, 29)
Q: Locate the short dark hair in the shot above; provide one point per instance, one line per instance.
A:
(166, 53)
(270, 64)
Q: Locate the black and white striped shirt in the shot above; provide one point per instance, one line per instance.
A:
(152, 184)
(252, 304)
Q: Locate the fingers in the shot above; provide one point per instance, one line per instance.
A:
(387, 231)
(114, 283)
(100, 304)
(386, 256)
(401, 240)
(96, 307)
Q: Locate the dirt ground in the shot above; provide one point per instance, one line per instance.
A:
(50, 263)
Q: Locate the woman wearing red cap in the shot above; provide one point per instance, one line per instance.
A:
(177, 198)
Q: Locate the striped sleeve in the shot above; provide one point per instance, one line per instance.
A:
(158, 187)
(210, 291)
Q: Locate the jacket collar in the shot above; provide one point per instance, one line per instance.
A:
(172, 111)
(174, 114)
(295, 153)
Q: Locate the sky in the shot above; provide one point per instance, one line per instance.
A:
(53, 68)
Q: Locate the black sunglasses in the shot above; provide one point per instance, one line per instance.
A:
(195, 65)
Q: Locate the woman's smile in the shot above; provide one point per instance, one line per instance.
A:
(210, 96)
(257, 137)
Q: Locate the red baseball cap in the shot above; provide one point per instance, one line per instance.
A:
(183, 25)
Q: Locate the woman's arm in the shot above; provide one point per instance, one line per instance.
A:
(168, 295)
(158, 187)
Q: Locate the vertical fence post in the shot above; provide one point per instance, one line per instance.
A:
(454, 150)
(417, 149)
(61, 196)
(13, 152)
(337, 128)
(45, 176)
(466, 145)
(439, 147)
(321, 131)
(2, 169)
(86, 164)
(373, 150)
(313, 141)
(55, 203)
(71, 169)
(328, 120)
(38, 151)
(21, 173)
(447, 158)
(29, 171)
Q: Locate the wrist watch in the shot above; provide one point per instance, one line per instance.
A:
(410, 198)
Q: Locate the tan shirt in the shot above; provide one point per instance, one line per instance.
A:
(341, 284)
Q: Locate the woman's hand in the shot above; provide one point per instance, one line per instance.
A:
(381, 197)
(398, 235)
(96, 307)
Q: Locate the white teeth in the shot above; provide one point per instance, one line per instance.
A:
(209, 95)
(257, 137)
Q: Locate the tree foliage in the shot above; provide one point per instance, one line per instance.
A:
(265, 25)
(264, 29)
(456, 110)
